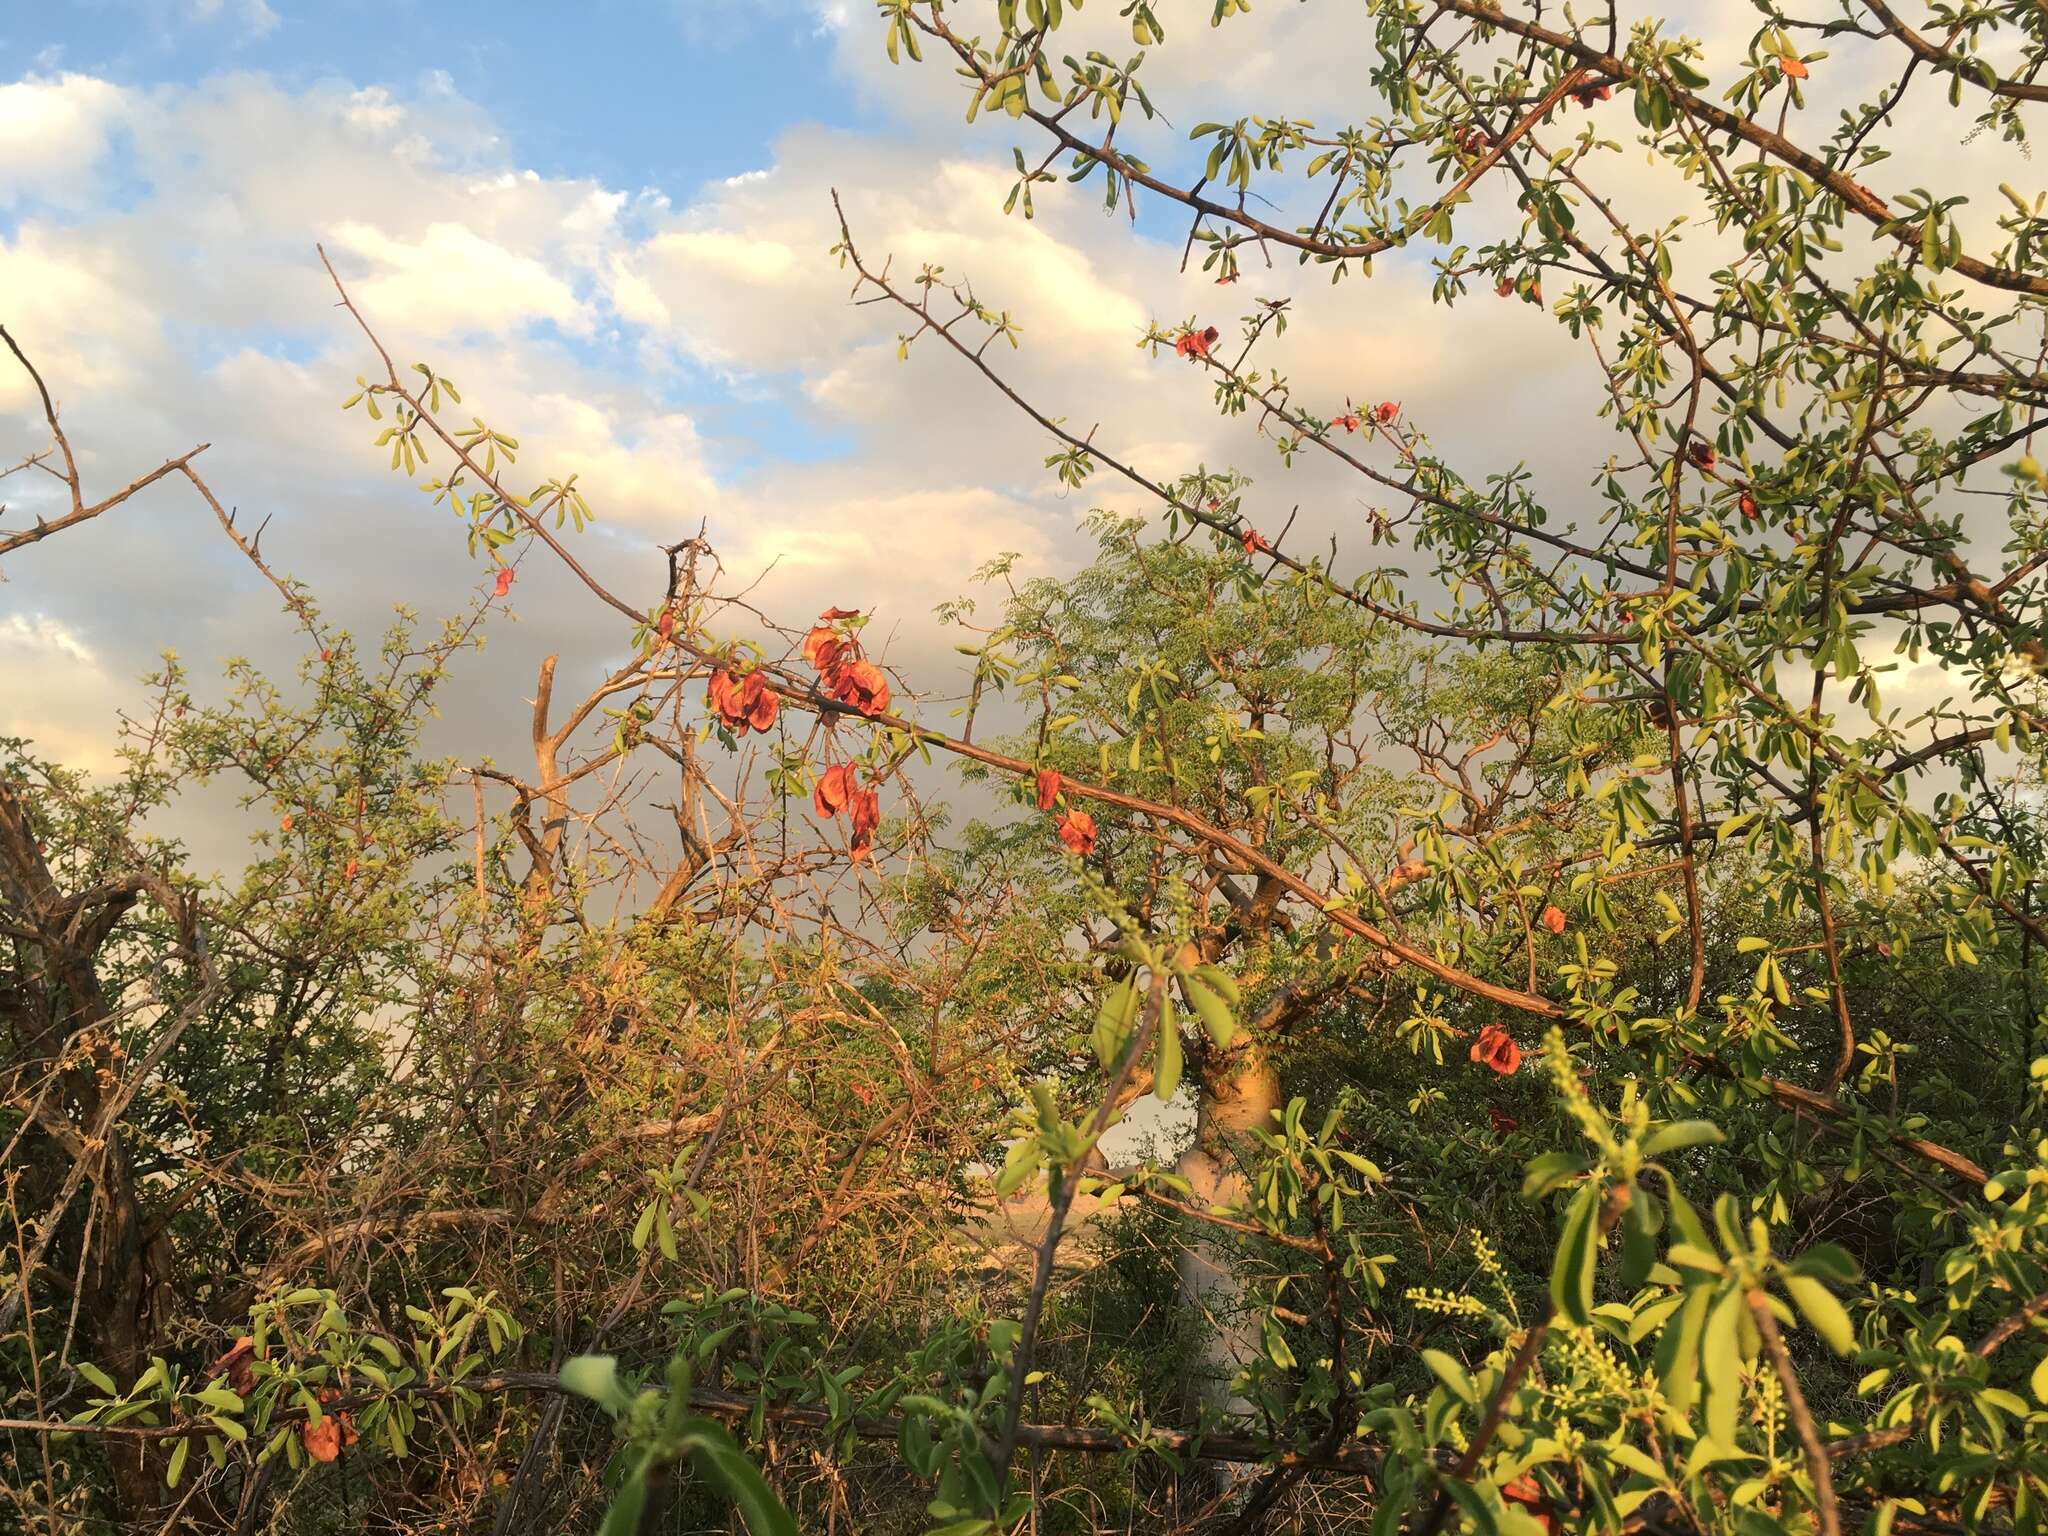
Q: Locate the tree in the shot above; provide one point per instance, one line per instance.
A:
(1610, 1023)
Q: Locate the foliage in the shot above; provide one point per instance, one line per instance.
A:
(1602, 981)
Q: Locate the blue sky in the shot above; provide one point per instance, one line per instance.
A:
(630, 92)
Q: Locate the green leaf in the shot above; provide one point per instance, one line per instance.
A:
(1829, 1318)
(1571, 1272)
(1721, 1367)
(1452, 1375)
(1682, 1133)
(721, 1463)
(1167, 1066)
(597, 1378)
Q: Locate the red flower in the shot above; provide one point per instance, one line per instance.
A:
(823, 646)
(1077, 831)
(1255, 542)
(834, 789)
(1196, 343)
(504, 580)
(867, 815)
(1794, 67)
(1586, 95)
(1048, 788)
(1504, 1124)
(1386, 413)
(1495, 1048)
(1348, 421)
(1553, 919)
(1701, 452)
(859, 685)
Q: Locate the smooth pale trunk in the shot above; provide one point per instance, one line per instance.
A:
(1238, 1091)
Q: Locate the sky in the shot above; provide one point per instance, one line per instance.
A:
(610, 224)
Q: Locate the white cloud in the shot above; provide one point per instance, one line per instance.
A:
(53, 133)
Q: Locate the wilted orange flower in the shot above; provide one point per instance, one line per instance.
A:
(1553, 919)
(1386, 413)
(832, 615)
(859, 685)
(1048, 788)
(236, 1363)
(504, 579)
(1504, 1124)
(1255, 542)
(1495, 1048)
(834, 788)
(1196, 343)
(742, 704)
(1226, 280)
(867, 815)
(1796, 68)
(822, 647)
(1348, 421)
(1701, 452)
(1505, 287)
(1077, 831)
(1586, 95)
(665, 626)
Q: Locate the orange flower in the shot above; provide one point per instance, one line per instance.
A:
(286, 824)
(1387, 413)
(1495, 1048)
(1796, 68)
(1226, 280)
(1553, 919)
(665, 626)
(742, 704)
(504, 580)
(860, 685)
(1586, 95)
(1255, 542)
(1196, 343)
(1746, 505)
(323, 1441)
(834, 789)
(1528, 1493)
(348, 870)
(822, 647)
(327, 654)
(1348, 421)
(1077, 831)
(1048, 788)
(867, 815)
(832, 615)
(1505, 287)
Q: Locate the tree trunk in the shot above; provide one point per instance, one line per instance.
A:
(1238, 1091)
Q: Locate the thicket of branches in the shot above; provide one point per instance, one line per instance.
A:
(1611, 1020)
